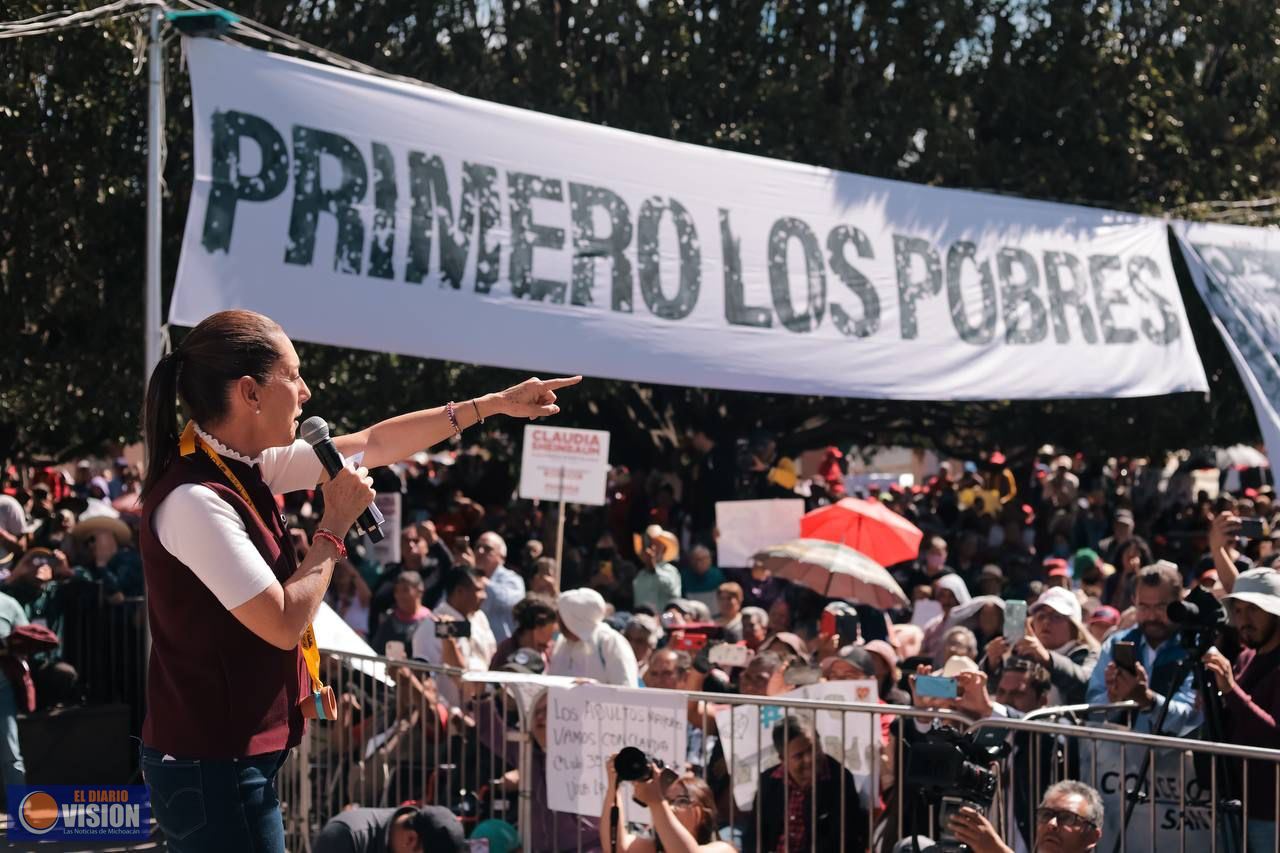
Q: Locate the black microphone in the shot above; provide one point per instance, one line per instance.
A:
(315, 432)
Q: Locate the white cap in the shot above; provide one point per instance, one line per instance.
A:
(1062, 601)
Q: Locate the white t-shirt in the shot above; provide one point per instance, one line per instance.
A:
(202, 530)
(477, 650)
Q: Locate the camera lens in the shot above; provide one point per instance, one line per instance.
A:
(632, 765)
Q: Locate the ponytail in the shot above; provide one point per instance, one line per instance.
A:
(221, 348)
(160, 420)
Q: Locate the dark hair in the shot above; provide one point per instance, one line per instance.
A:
(222, 348)
(533, 611)
(700, 794)
(412, 578)
(1038, 678)
(1162, 573)
(793, 727)
(460, 577)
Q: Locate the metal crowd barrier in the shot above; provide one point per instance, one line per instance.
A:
(393, 744)
(104, 639)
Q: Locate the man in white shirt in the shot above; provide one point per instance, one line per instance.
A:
(464, 592)
(13, 528)
(505, 589)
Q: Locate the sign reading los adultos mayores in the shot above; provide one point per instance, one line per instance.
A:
(563, 464)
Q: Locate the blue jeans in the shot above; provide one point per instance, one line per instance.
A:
(12, 770)
(216, 805)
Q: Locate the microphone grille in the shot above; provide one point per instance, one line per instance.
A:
(314, 430)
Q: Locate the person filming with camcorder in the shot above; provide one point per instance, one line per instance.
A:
(683, 809)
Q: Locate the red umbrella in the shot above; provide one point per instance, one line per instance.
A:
(867, 526)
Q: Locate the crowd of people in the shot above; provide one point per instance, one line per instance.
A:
(1096, 550)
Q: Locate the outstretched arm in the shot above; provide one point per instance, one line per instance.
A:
(400, 437)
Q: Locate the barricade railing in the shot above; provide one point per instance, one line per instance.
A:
(104, 639)
(397, 743)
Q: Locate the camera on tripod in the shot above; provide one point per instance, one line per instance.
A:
(951, 770)
(1198, 617)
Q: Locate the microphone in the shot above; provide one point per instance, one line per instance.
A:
(315, 432)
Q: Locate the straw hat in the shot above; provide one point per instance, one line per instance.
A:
(670, 544)
(89, 527)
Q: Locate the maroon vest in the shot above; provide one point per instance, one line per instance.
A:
(214, 688)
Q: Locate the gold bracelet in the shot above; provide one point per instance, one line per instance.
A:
(476, 406)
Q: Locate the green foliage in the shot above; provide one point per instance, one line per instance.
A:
(1145, 106)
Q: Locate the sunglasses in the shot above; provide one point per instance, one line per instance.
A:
(1065, 819)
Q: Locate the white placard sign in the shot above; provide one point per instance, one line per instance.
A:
(589, 723)
(1183, 819)
(462, 229)
(745, 527)
(746, 733)
(559, 463)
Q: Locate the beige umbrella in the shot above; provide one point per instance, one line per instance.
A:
(834, 570)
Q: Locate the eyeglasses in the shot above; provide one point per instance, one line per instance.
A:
(682, 803)
(483, 547)
(1065, 819)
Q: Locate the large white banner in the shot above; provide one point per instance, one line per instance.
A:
(1237, 272)
(373, 214)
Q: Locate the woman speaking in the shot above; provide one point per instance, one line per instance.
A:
(234, 668)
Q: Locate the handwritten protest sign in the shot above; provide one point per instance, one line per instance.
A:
(588, 723)
(746, 731)
(1182, 817)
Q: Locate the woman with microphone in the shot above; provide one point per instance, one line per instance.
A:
(234, 668)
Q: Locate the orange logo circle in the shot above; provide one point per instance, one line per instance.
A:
(38, 812)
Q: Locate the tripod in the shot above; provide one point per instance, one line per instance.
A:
(1196, 640)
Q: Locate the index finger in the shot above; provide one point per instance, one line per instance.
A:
(563, 382)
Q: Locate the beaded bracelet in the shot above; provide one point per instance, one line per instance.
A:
(334, 539)
(453, 418)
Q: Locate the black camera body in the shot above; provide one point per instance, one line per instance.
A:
(951, 770)
(948, 763)
(635, 765)
(1199, 616)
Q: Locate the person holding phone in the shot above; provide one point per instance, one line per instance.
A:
(1157, 656)
(1224, 547)
(464, 595)
(1057, 640)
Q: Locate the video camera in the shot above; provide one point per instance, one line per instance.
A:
(1198, 617)
(951, 770)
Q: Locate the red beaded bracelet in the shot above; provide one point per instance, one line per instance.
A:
(335, 539)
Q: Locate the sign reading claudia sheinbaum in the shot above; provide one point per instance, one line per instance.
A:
(563, 464)
(387, 216)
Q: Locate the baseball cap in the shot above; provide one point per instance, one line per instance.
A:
(1259, 587)
(1125, 516)
(437, 828)
(883, 650)
(1105, 614)
(991, 570)
(527, 661)
(1061, 601)
(1056, 567)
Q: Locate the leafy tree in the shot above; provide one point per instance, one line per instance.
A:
(1145, 106)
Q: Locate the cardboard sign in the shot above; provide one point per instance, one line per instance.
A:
(559, 463)
(748, 526)
(589, 723)
(746, 732)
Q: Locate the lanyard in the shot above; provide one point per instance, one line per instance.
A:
(189, 444)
